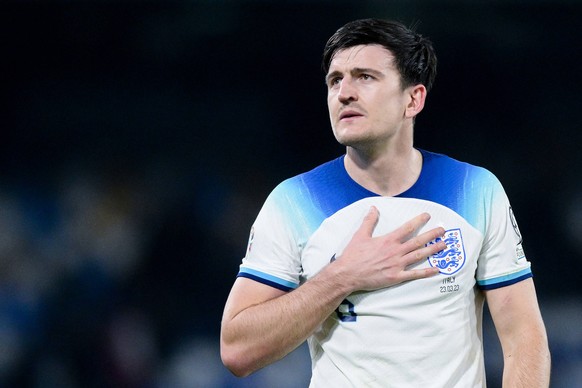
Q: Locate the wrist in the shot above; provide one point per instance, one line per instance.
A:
(337, 280)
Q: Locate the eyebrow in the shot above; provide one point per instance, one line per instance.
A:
(332, 75)
(355, 71)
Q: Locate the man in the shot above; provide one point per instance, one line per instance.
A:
(382, 259)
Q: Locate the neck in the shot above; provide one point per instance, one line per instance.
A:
(386, 173)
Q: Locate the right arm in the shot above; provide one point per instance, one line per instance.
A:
(262, 324)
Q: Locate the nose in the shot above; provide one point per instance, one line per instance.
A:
(347, 91)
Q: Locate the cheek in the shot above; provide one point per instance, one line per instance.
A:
(331, 107)
(330, 100)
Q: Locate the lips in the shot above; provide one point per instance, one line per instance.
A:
(349, 114)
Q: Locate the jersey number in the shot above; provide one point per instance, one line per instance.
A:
(345, 311)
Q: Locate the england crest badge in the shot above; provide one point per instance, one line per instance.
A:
(451, 259)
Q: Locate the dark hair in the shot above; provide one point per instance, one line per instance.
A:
(414, 55)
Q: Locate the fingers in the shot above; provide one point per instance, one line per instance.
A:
(409, 228)
(369, 223)
(420, 253)
(418, 242)
(404, 233)
(418, 250)
(419, 273)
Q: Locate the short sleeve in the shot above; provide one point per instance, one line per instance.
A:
(502, 260)
(273, 251)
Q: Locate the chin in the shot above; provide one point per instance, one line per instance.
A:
(349, 137)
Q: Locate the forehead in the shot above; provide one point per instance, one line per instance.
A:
(362, 56)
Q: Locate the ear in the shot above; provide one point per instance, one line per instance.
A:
(417, 96)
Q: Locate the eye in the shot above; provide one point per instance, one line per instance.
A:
(366, 77)
(334, 81)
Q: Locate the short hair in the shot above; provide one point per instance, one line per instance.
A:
(414, 55)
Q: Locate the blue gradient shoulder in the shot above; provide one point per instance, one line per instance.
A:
(463, 187)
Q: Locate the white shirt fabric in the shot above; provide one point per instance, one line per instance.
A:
(425, 332)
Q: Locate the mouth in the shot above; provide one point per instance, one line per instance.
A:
(349, 114)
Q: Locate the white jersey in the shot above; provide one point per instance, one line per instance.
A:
(424, 332)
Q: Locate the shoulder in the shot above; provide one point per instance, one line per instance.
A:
(320, 173)
(310, 181)
(301, 202)
(444, 166)
(300, 190)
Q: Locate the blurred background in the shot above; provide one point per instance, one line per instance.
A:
(140, 138)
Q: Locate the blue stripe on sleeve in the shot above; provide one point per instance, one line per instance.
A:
(506, 280)
(267, 279)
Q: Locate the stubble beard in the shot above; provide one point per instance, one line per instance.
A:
(363, 143)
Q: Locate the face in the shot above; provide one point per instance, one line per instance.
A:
(367, 105)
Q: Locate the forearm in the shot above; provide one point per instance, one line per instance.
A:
(266, 332)
(527, 362)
